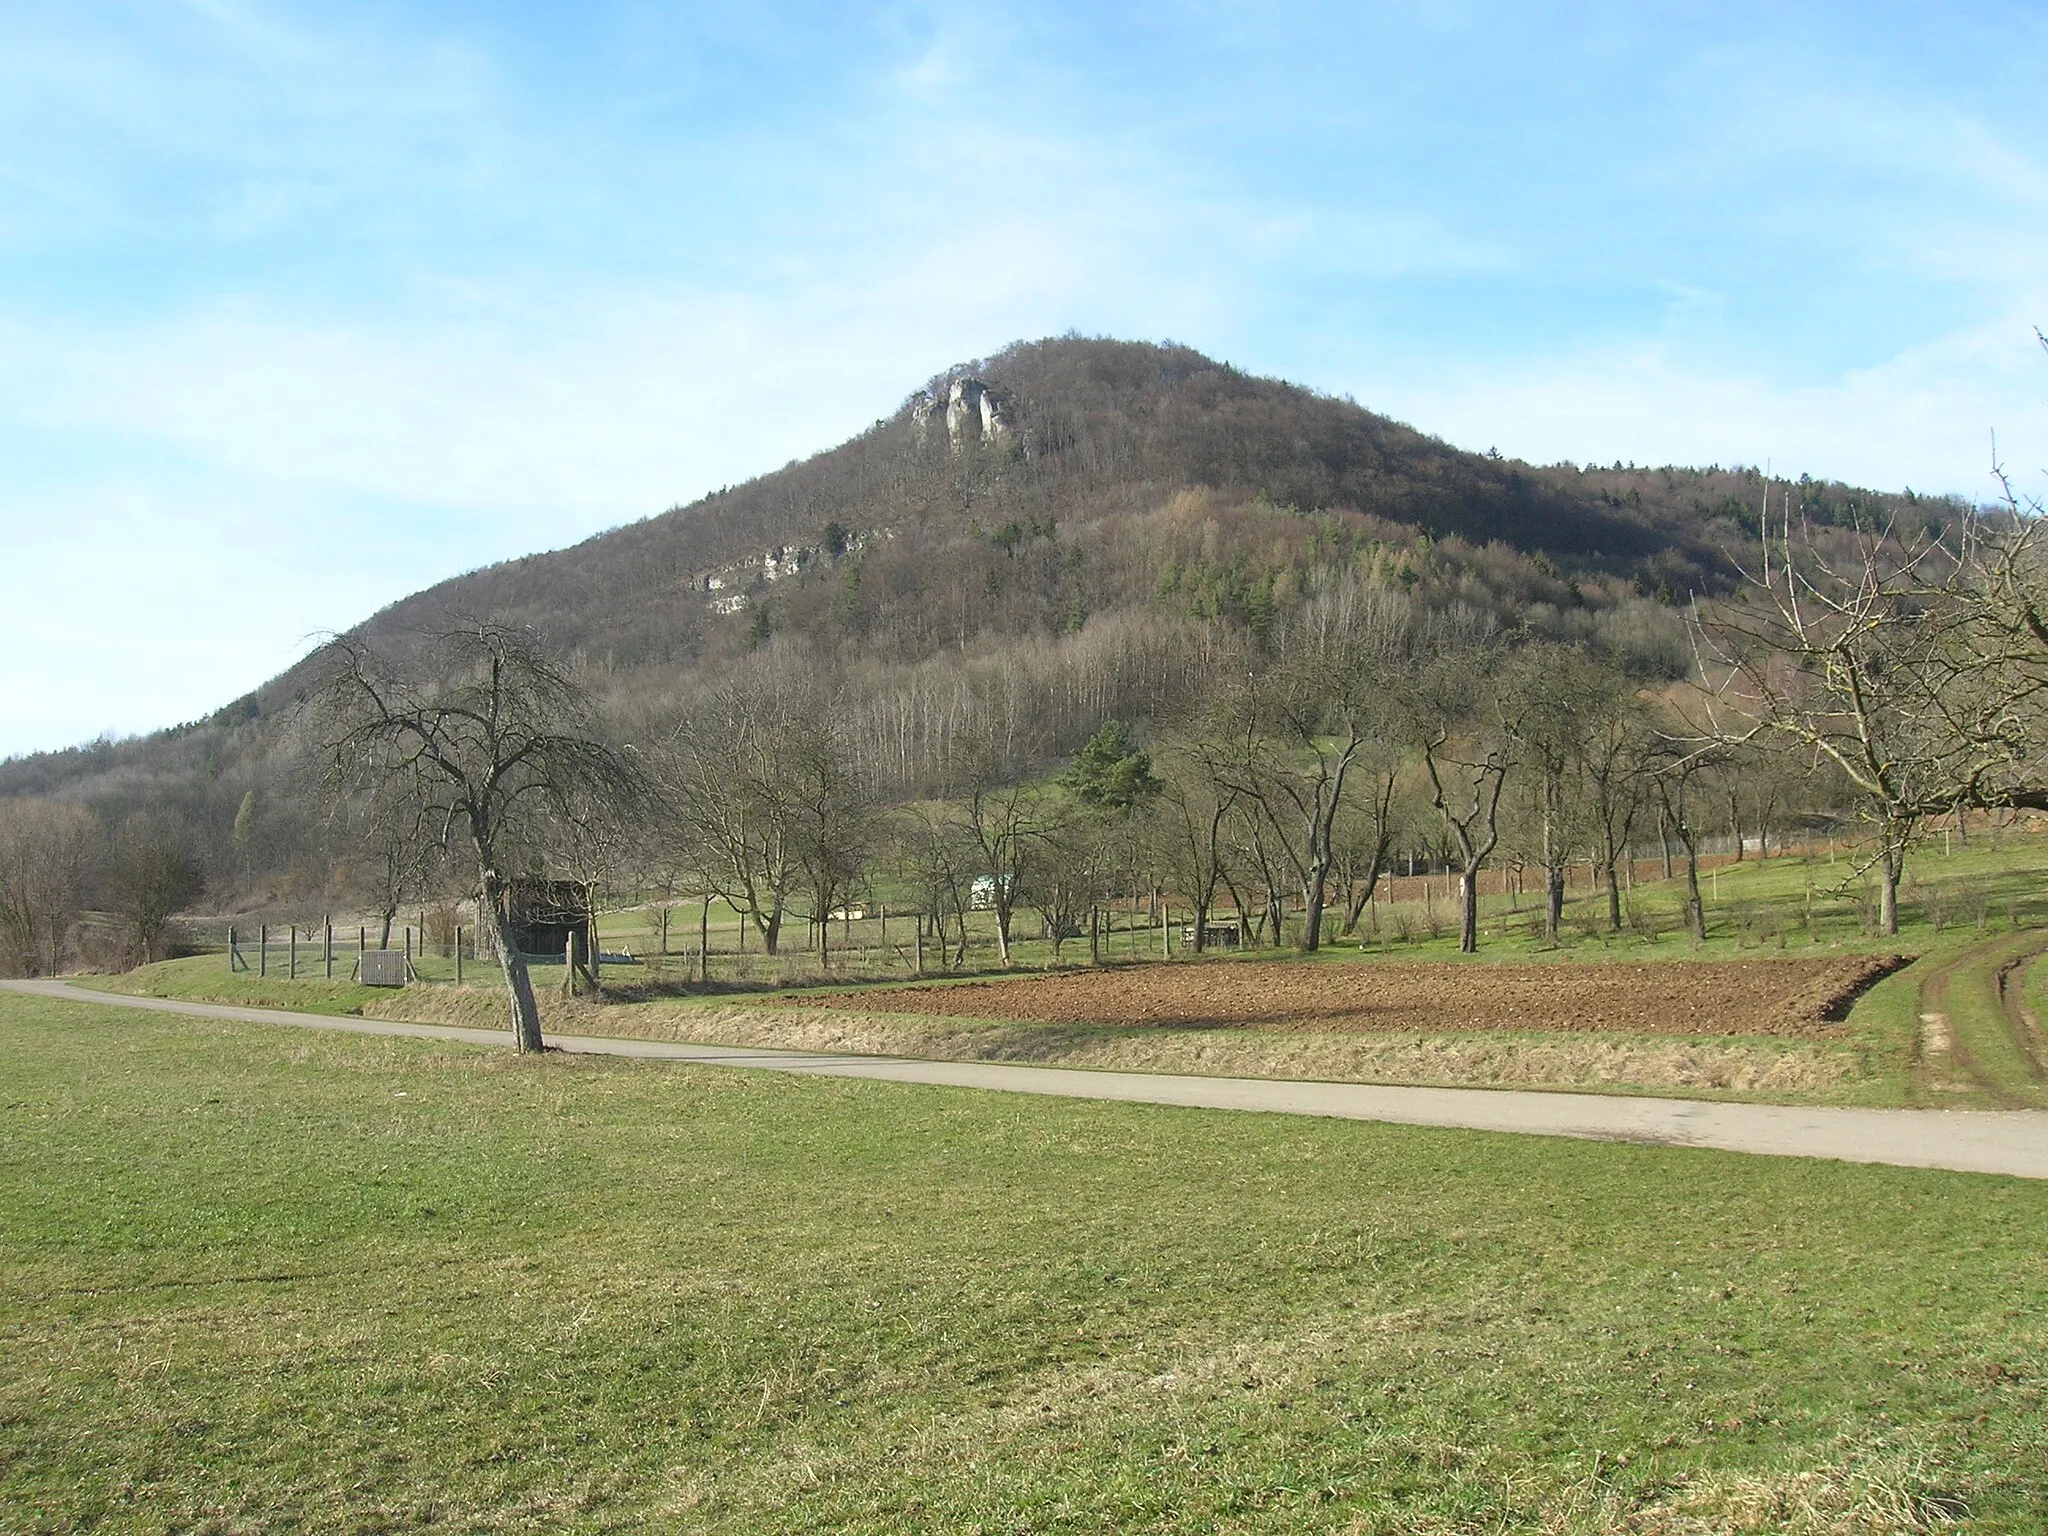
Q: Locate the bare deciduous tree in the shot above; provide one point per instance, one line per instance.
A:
(1679, 774)
(1580, 738)
(1186, 826)
(1846, 651)
(767, 797)
(152, 876)
(1000, 822)
(488, 742)
(1467, 752)
(47, 849)
(1302, 730)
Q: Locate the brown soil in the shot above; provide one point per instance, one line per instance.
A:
(1797, 998)
(1783, 1068)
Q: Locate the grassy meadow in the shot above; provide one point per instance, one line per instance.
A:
(259, 1279)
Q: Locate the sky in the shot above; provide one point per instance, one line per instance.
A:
(303, 308)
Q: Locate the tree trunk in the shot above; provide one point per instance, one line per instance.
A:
(1251, 926)
(1695, 909)
(1553, 904)
(1891, 865)
(1361, 898)
(1468, 910)
(525, 1011)
(1312, 925)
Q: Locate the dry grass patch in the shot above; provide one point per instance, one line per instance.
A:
(1787, 1068)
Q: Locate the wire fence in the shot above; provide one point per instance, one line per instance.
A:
(697, 940)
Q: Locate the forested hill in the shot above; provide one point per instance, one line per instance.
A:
(1086, 515)
(1108, 477)
(1095, 441)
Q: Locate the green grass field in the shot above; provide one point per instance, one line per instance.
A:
(258, 1279)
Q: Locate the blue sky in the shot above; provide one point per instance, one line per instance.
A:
(302, 308)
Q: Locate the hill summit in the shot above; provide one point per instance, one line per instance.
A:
(1025, 492)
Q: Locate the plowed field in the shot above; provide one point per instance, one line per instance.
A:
(1764, 997)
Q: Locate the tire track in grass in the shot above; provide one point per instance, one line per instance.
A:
(2021, 1019)
(1976, 1035)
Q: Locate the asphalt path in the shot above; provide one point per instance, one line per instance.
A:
(2011, 1142)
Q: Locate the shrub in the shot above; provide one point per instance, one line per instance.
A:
(1643, 920)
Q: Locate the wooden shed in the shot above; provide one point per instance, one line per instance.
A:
(541, 915)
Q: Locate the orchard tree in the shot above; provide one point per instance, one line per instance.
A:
(1848, 651)
(1301, 731)
(1464, 717)
(1188, 827)
(767, 799)
(489, 744)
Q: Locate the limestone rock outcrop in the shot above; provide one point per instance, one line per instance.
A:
(973, 413)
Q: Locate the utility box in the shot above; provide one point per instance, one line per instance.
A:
(382, 968)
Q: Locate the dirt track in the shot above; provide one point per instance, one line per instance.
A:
(1795, 998)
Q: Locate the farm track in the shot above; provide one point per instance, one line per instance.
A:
(2020, 1019)
(1949, 1060)
(2011, 1143)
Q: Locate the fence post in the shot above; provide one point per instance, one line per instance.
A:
(292, 955)
(458, 954)
(327, 948)
(1165, 949)
(234, 959)
(263, 950)
(917, 944)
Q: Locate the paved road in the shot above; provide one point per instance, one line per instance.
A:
(2000, 1141)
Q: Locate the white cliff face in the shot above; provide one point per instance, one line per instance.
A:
(972, 411)
(738, 583)
(963, 411)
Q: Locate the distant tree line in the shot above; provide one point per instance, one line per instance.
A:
(60, 861)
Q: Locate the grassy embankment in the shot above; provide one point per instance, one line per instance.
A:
(259, 1279)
